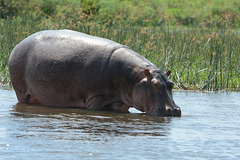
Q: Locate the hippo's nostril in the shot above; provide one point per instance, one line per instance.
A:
(177, 112)
(169, 111)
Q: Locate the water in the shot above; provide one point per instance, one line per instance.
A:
(208, 129)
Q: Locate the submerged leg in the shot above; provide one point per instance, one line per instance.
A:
(119, 107)
(95, 102)
(22, 97)
(33, 100)
(25, 98)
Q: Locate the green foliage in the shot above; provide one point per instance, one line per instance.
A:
(48, 6)
(213, 13)
(107, 7)
(90, 6)
(9, 8)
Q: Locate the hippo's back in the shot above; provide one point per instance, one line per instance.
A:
(64, 44)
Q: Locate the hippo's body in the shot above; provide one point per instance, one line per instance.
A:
(68, 68)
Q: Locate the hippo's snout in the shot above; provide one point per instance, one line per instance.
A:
(176, 112)
(168, 112)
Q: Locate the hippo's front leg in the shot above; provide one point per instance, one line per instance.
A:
(95, 102)
(119, 107)
(33, 100)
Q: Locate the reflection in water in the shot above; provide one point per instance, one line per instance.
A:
(85, 124)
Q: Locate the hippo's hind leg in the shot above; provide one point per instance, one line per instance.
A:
(33, 100)
(26, 97)
(95, 102)
(22, 97)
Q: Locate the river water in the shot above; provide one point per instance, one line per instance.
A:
(209, 128)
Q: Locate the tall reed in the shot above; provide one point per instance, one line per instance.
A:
(200, 58)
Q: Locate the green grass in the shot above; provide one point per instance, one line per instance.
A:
(202, 56)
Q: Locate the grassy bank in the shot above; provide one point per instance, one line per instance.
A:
(202, 56)
(212, 13)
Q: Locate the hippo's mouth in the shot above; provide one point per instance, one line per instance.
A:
(175, 112)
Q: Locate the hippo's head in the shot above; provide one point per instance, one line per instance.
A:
(153, 94)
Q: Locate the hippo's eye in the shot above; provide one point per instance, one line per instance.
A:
(169, 85)
(157, 84)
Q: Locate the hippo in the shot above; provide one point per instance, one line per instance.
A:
(66, 68)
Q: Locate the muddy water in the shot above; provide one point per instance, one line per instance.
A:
(208, 129)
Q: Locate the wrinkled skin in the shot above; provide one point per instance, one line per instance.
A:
(151, 90)
(66, 68)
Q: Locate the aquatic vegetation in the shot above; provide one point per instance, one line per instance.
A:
(202, 52)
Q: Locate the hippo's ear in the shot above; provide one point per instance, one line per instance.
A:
(148, 74)
(168, 72)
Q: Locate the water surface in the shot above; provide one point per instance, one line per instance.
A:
(208, 129)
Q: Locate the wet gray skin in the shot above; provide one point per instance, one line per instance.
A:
(70, 69)
(156, 91)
